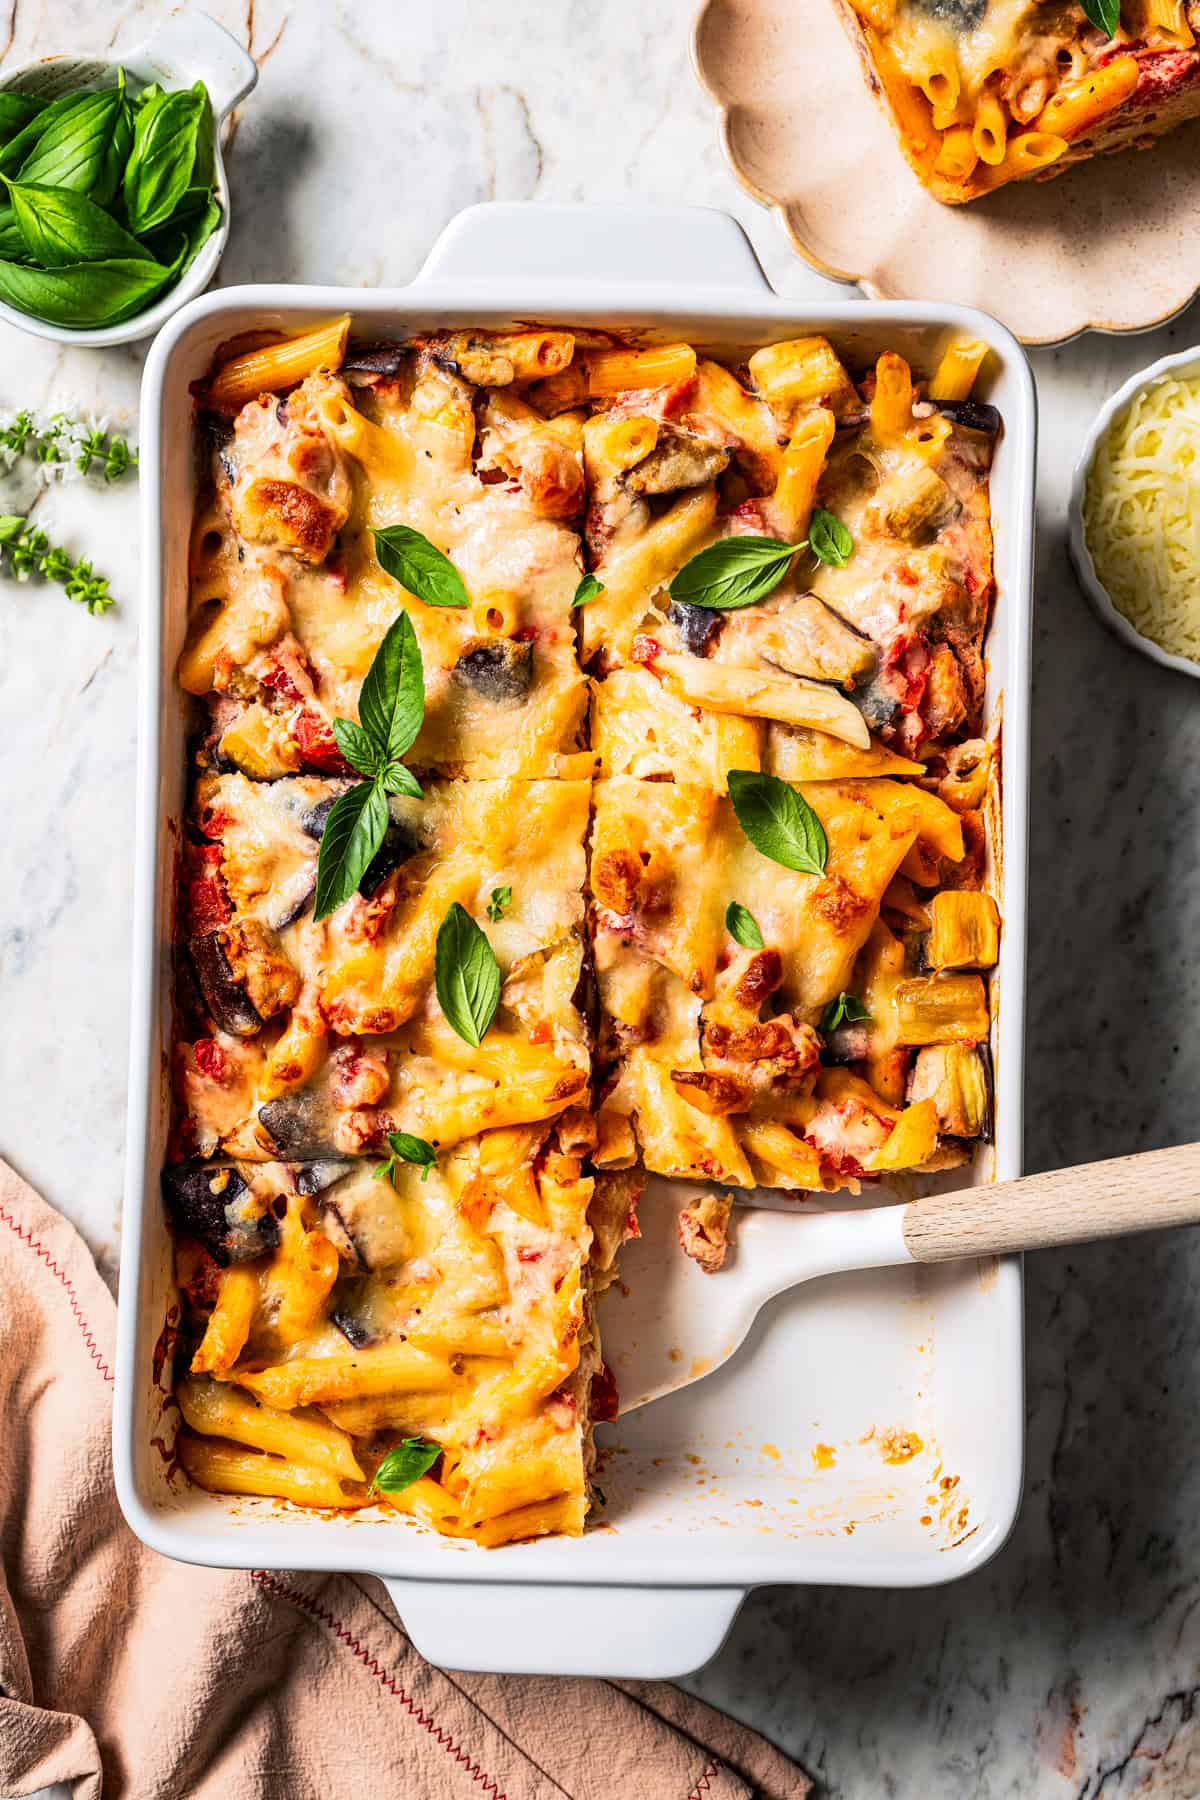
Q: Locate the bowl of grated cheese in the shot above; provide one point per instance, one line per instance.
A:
(1135, 512)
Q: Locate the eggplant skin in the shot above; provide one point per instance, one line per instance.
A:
(215, 1206)
(972, 415)
(697, 625)
(500, 671)
(375, 359)
(224, 996)
(297, 1126)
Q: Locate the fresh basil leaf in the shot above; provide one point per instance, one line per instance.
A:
(353, 833)
(735, 571)
(742, 926)
(357, 746)
(499, 904)
(107, 184)
(1105, 15)
(18, 148)
(59, 228)
(204, 163)
(409, 558)
(84, 295)
(159, 169)
(587, 590)
(466, 976)
(149, 95)
(404, 1465)
(12, 244)
(391, 704)
(72, 151)
(778, 821)
(845, 1010)
(406, 1148)
(399, 780)
(828, 539)
(187, 231)
(16, 111)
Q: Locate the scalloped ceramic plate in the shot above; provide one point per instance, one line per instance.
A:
(1111, 245)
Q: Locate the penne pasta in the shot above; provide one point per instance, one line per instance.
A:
(276, 366)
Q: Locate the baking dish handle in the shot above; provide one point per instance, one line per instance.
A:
(688, 246)
(518, 1628)
(190, 46)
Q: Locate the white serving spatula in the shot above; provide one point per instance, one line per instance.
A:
(666, 1323)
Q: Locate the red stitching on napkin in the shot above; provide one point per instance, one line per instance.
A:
(39, 1249)
(316, 1611)
(705, 1781)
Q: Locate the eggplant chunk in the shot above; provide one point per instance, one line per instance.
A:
(375, 359)
(675, 463)
(297, 1125)
(367, 1211)
(315, 1177)
(972, 415)
(349, 1312)
(224, 995)
(697, 625)
(959, 15)
(217, 1207)
(500, 671)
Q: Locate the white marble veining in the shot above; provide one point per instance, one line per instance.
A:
(1070, 1666)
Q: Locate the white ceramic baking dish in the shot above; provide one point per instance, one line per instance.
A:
(774, 1470)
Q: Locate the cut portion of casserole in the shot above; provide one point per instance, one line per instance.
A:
(301, 1037)
(332, 1315)
(984, 92)
(290, 599)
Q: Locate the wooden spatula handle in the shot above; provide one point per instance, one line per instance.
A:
(1066, 1206)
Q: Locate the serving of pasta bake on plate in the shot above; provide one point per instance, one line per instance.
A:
(587, 781)
(984, 92)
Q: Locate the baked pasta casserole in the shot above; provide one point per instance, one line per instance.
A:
(983, 92)
(587, 780)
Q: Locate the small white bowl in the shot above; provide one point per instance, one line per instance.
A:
(1185, 362)
(189, 47)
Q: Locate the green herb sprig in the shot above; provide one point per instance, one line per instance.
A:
(1105, 15)
(28, 551)
(391, 709)
(589, 587)
(404, 1465)
(733, 572)
(63, 441)
(778, 821)
(499, 904)
(466, 976)
(829, 540)
(845, 1010)
(405, 1147)
(109, 198)
(742, 926)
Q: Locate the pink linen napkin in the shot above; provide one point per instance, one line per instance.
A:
(125, 1675)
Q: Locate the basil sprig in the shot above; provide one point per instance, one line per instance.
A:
(742, 926)
(391, 706)
(466, 976)
(778, 821)
(587, 590)
(733, 572)
(404, 1465)
(828, 539)
(409, 558)
(845, 1010)
(1105, 15)
(405, 1147)
(110, 197)
(499, 904)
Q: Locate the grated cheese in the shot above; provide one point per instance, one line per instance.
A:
(1141, 514)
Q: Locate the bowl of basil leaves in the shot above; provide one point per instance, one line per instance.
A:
(114, 206)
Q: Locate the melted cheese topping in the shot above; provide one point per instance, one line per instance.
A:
(1142, 514)
(342, 1306)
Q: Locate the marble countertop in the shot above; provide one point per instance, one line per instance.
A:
(1071, 1665)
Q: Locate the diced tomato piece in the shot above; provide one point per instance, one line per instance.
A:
(210, 1058)
(604, 1401)
(318, 746)
(205, 902)
(646, 650)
